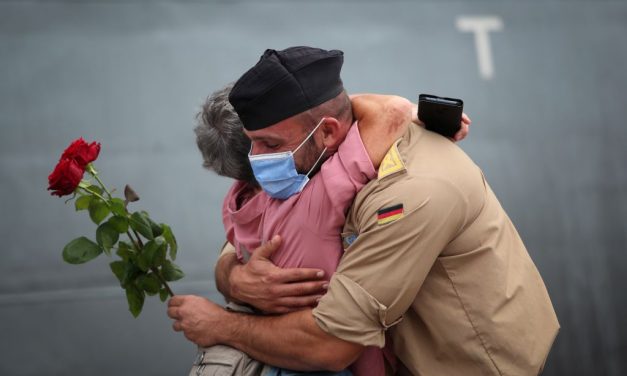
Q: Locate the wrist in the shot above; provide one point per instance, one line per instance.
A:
(224, 332)
(235, 329)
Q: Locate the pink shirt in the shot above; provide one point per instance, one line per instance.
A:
(310, 223)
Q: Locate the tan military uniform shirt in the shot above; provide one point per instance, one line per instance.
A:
(432, 259)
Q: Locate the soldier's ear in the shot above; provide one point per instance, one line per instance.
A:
(333, 133)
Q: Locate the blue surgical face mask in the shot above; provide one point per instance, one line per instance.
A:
(276, 172)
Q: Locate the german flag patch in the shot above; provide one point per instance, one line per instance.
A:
(389, 214)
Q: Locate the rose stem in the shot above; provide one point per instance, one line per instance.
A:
(94, 173)
(154, 270)
(165, 284)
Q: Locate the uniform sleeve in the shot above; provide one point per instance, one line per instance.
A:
(382, 271)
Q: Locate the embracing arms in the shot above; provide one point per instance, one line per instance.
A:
(382, 120)
(295, 339)
(366, 295)
(264, 285)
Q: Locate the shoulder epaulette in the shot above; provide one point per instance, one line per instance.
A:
(392, 163)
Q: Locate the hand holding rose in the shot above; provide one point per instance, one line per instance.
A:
(145, 261)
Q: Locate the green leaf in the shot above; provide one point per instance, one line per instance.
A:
(125, 251)
(120, 224)
(131, 272)
(160, 256)
(81, 250)
(118, 268)
(156, 229)
(171, 272)
(135, 298)
(170, 239)
(150, 252)
(98, 210)
(107, 236)
(153, 249)
(149, 283)
(140, 224)
(163, 294)
(95, 189)
(142, 263)
(118, 207)
(82, 203)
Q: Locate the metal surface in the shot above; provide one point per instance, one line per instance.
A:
(543, 82)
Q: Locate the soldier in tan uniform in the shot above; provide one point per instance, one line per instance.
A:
(432, 255)
(432, 263)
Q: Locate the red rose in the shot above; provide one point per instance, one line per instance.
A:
(65, 177)
(82, 152)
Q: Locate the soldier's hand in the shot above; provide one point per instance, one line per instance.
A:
(271, 289)
(198, 318)
(465, 128)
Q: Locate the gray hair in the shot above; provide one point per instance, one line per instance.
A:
(221, 140)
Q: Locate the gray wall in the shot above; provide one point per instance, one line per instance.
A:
(548, 130)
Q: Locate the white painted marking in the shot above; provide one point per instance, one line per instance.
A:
(481, 26)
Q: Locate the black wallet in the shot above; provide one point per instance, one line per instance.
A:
(440, 114)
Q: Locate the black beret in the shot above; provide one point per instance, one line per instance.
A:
(285, 83)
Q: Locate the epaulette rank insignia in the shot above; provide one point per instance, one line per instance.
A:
(390, 214)
(392, 163)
